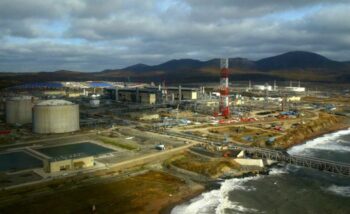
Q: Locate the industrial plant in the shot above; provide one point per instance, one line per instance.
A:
(174, 107)
(58, 131)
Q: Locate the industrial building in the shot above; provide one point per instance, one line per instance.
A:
(152, 94)
(55, 116)
(19, 110)
(181, 93)
(68, 163)
(137, 95)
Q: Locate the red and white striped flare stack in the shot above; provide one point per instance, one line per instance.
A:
(224, 108)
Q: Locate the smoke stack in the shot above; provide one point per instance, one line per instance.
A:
(224, 90)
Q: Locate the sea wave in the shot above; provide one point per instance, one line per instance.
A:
(277, 171)
(216, 201)
(341, 141)
(326, 142)
(339, 190)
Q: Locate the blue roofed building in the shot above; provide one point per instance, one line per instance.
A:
(100, 85)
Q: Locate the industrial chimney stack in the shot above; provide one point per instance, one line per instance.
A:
(224, 108)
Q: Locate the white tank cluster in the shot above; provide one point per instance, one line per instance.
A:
(19, 110)
(55, 116)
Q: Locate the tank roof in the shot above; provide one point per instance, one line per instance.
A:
(55, 102)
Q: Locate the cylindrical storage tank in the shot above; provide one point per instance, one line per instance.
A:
(268, 87)
(259, 87)
(94, 102)
(55, 116)
(2, 104)
(19, 110)
(295, 89)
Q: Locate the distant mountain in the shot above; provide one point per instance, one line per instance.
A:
(297, 60)
(188, 64)
(295, 65)
(138, 67)
(172, 65)
(179, 64)
(287, 61)
(242, 63)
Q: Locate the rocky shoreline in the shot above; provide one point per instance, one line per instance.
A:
(215, 184)
(336, 128)
(208, 186)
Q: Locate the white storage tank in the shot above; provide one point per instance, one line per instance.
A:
(55, 116)
(19, 110)
(94, 103)
(262, 87)
(2, 104)
(295, 89)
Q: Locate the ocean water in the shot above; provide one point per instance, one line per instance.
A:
(287, 189)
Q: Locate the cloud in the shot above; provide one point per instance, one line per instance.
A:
(95, 35)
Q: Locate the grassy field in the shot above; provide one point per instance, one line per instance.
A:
(145, 193)
(116, 142)
(210, 168)
(249, 136)
(324, 124)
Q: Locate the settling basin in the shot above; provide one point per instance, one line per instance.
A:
(16, 161)
(86, 148)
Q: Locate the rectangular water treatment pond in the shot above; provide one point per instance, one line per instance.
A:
(85, 148)
(16, 161)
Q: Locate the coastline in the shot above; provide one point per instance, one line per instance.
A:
(319, 134)
(207, 187)
(167, 208)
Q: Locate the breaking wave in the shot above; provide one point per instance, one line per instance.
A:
(326, 142)
(217, 201)
(339, 190)
(277, 171)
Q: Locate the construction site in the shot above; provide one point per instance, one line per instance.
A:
(54, 135)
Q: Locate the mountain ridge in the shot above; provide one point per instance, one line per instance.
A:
(298, 65)
(288, 60)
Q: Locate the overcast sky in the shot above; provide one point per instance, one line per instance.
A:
(93, 35)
